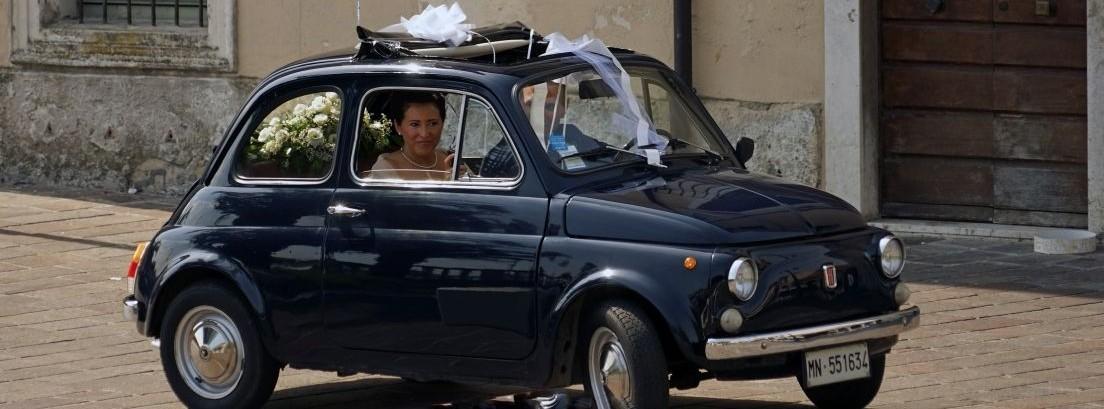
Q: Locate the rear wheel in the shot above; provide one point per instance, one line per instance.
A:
(626, 367)
(211, 352)
(854, 394)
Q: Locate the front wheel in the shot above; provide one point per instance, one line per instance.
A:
(626, 367)
(211, 352)
(854, 394)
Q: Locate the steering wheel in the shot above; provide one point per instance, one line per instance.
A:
(632, 142)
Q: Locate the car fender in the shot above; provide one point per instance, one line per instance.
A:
(675, 310)
(218, 265)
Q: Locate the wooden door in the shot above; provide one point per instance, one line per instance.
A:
(983, 111)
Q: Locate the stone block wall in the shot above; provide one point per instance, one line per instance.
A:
(788, 136)
(112, 132)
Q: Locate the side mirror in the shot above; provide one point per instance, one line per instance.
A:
(744, 148)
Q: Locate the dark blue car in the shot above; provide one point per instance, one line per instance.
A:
(491, 218)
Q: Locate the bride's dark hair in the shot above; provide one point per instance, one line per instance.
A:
(402, 100)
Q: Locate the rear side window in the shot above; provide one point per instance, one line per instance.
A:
(296, 140)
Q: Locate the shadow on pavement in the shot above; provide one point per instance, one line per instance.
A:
(397, 394)
(141, 200)
(56, 237)
(1002, 265)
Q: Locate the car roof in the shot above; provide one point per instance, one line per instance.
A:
(338, 62)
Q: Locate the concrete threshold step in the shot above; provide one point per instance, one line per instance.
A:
(964, 229)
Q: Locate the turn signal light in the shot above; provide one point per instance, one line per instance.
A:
(132, 271)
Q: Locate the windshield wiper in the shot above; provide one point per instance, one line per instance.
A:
(602, 147)
(714, 155)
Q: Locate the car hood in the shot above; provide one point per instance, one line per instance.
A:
(728, 206)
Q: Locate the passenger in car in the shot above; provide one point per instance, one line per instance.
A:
(544, 105)
(419, 118)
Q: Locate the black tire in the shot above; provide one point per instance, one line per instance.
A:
(854, 394)
(638, 344)
(202, 303)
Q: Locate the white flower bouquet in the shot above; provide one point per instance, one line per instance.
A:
(301, 140)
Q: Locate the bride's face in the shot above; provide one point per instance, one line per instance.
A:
(420, 129)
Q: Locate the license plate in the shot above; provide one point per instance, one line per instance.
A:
(837, 364)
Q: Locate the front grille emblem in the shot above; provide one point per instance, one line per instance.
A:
(830, 276)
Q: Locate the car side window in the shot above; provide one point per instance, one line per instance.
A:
(417, 135)
(295, 140)
(486, 152)
(407, 135)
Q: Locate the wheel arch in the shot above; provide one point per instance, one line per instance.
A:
(673, 319)
(205, 267)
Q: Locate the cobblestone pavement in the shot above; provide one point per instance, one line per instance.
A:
(1002, 327)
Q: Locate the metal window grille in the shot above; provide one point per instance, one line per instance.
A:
(181, 13)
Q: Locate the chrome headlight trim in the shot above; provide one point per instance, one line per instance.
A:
(735, 278)
(891, 268)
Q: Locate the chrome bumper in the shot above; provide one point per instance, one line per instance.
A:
(130, 309)
(801, 339)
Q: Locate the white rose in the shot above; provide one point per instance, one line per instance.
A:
(321, 119)
(299, 109)
(265, 134)
(270, 147)
(318, 102)
(314, 133)
(275, 121)
(331, 95)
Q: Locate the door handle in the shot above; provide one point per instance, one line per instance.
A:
(342, 210)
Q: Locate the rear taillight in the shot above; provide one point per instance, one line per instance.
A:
(132, 271)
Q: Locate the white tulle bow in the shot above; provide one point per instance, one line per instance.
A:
(632, 118)
(441, 24)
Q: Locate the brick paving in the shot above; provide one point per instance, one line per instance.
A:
(1002, 327)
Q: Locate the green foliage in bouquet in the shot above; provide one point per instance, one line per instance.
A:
(376, 135)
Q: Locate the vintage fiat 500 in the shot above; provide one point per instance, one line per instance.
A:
(493, 218)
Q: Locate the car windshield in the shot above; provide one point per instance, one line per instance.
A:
(583, 124)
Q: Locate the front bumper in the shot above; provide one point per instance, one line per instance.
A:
(130, 308)
(802, 339)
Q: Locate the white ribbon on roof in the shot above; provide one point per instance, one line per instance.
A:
(441, 24)
(632, 117)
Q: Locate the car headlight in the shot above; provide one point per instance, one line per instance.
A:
(892, 254)
(743, 277)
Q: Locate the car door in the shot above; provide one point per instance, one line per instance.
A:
(437, 267)
(264, 210)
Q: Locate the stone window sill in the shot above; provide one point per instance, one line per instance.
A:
(172, 48)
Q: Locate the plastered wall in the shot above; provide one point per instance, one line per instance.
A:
(759, 50)
(272, 33)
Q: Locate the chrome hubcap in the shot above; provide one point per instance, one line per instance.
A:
(610, 379)
(208, 352)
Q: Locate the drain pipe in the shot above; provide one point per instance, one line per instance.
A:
(684, 55)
